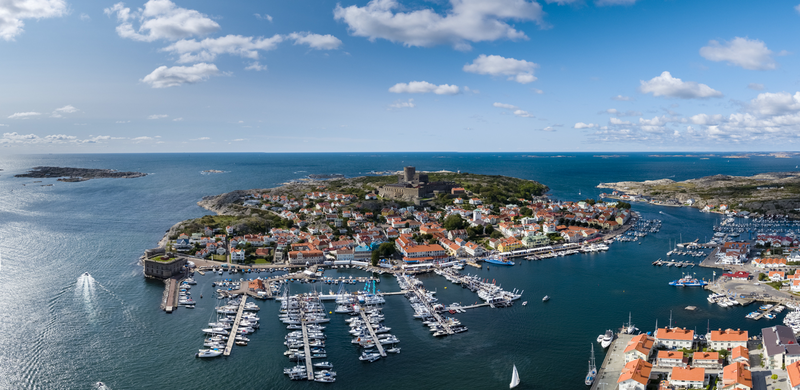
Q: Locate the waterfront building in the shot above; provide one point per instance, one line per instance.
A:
(535, 240)
(780, 347)
(635, 375)
(769, 263)
(688, 377)
(736, 376)
(727, 339)
(777, 276)
(640, 347)
(161, 267)
(670, 359)
(740, 354)
(793, 372)
(707, 360)
(237, 255)
(674, 338)
(303, 257)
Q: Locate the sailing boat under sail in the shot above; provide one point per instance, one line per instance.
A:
(514, 378)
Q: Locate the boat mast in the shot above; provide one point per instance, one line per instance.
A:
(670, 318)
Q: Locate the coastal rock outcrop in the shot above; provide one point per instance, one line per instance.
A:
(67, 174)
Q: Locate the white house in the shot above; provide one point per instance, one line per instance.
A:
(688, 377)
(237, 255)
(634, 375)
(674, 338)
(727, 339)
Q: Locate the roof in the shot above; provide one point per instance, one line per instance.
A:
(778, 340)
(675, 334)
(705, 356)
(670, 355)
(728, 335)
(641, 343)
(737, 374)
(637, 370)
(740, 352)
(424, 248)
(794, 373)
(689, 374)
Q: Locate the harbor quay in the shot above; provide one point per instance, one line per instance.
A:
(614, 362)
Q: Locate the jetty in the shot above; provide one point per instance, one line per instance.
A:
(371, 333)
(613, 363)
(307, 350)
(232, 336)
(170, 300)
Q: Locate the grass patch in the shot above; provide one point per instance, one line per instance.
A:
(222, 258)
(775, 285)
(262, 261)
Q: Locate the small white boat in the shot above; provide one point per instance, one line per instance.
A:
(546, 298)
(393, 350)
(607, 339)
(204, 353)
(525, 303)
(514, 378)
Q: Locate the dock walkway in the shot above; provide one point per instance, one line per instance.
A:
(372, 333)
(232, 335)
(307, 350)
(614, 362)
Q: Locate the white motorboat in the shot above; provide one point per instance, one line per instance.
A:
(607, 339)
(204, 353)
(190, 281)
(546, 298)
(525, 303)
(325, 365)
(393, 350)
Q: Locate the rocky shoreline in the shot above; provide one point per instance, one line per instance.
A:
(67, 174)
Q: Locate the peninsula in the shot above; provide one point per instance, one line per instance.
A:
(66, 174)
(766, 193)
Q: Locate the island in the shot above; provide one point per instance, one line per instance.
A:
(66, 174)
(766, 193)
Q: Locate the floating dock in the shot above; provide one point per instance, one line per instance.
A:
(232, 335)
(307, 350)
(372, 333)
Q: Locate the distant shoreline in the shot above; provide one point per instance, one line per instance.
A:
(67, 174)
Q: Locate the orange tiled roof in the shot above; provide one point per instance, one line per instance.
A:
(689, 374)
(739, 352)
(737, 374)
(675, 334)
(728, 335)
(638, 370)
(641, 343)
(705, 356)
(794, 373)
(670, 355)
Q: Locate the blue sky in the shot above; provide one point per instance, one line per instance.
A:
(398, 75)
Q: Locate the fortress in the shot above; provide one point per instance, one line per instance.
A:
(414, 186)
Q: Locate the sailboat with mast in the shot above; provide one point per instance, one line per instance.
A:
(514, 378)
(592, 370)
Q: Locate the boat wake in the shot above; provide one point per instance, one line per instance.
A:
(85, 288)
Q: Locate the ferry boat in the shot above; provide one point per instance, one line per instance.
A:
(498, 261)
(688, 281)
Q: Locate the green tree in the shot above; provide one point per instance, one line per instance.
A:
(526, 211)
(454, 222)
(386, 249)
(375, 258)
(496, 234)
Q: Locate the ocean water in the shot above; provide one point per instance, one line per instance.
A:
(62, 330)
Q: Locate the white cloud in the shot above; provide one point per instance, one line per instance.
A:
(666, 85)
(256, 66)
(160, 19)
(201, 139)
(157, 116)
(756, 86)
(506, 106)
(549, 128)
(775, 103)
(520, 71)
(264, 17)
(402, 104)
(581, 125)
(466, 21)
(617, 121)
(797, 8)
(24, 115)
(190, 50)
(424, 87)
(614, 111)
(537, 91)
(122, 122)
(563, 2)
(240, 139)
(704, 119)
(164, 77)
(85, 17)
(13, 12)
(68, 109)
(523, 114)
(142, 138)
(748, 53)
(23, 139)
(2, 125)
(316, 41)
(603, 3)
(622, 98)
(177, 119)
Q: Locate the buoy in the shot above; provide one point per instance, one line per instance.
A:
(445, 287)
(330, 312)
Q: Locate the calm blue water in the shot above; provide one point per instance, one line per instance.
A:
(61, 332)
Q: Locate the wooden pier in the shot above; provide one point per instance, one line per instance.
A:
(372, 333)
(765, 312)
(232, 335)
(307, 350)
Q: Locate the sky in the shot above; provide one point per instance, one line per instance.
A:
(399, 75)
